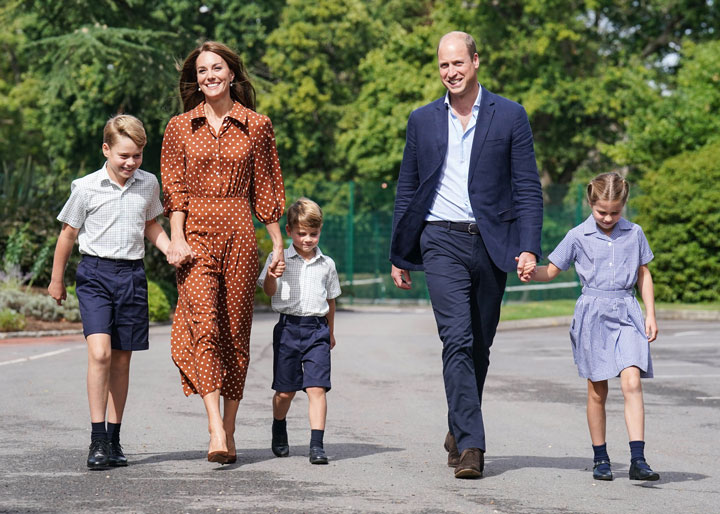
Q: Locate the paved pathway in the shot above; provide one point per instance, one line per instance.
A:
(386, 425)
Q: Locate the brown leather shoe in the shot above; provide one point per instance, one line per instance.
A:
(452, 449)
(472, 462)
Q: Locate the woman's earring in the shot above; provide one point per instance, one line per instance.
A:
(199, 88)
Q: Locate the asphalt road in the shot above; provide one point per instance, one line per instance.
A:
(386, 425)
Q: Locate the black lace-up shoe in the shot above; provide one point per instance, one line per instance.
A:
(317, 455)
(280, 446)
(98, 455)
(116, 457)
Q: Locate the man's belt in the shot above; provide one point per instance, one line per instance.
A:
(468, 228)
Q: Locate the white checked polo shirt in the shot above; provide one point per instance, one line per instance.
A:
(305, 286)
(112, 218)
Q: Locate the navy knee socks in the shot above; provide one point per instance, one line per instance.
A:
(98, 431)
(113, 432)
(316, 438)
(601, 454)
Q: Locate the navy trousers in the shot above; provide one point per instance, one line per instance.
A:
(466, 290)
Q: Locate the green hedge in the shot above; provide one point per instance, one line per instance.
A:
(680, 216)
(158, 304)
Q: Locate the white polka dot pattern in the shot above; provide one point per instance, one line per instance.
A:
(219, 180)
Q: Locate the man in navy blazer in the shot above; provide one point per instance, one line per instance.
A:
(468, 210)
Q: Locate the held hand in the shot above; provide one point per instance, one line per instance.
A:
(57, 291)
(651, 328)
(179, 253)
(526, 266)
(401, 277)
(332, 341)
(277, 266)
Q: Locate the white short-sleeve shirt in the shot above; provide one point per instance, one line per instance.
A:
(305, 286)
(112, 218)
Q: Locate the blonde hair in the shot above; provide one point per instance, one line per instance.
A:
(304, 212)
(609, 187)
(124, 125)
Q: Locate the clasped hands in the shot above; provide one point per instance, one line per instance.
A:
(526, 266)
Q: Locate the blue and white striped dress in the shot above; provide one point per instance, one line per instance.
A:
(608, 327)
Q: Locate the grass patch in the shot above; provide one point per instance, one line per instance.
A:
(544, 309)
(714, 306)
(550, 308)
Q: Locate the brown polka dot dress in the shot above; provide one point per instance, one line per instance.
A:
(219, 180)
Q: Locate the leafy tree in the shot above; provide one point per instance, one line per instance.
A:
(679, 214)
(314, 54)
(679, 116)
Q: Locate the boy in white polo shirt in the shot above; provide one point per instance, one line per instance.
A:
(109, 212)
(303, 337)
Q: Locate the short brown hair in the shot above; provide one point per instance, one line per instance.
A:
(124, 125)
(609, 187)
(242, 91)
(304, 212)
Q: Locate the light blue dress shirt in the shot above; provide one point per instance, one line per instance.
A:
(452, 201)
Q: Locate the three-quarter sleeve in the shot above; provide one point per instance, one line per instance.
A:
(267, 192)
(172, 169)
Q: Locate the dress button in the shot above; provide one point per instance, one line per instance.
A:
(611, 264)
(609, 244)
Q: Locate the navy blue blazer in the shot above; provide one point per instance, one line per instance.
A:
(503, 183)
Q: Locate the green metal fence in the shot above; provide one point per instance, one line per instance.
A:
(356, 234)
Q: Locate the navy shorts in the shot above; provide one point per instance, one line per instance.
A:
(114, 300)
(301, 353)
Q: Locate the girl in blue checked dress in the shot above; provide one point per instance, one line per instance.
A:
(609, 336)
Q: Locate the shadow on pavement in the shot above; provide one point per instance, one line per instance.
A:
(251, 456)
(498, 465)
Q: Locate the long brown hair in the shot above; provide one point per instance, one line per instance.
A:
(609, 187)
(242, 91)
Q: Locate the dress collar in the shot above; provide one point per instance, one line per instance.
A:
(238, 112)
(589, 226)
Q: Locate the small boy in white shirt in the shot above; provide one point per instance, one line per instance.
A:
(303, 337)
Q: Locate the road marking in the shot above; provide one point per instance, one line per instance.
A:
(41, 355)
(689, 333)
(708, 398)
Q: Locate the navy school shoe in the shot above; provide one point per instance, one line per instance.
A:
(640, 470)
(601, 470)
(98, 457)
(317, 455)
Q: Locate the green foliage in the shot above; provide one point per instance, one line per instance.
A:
(679, 214)
(11, 321)
(158, 304)
(339, 79)
(39, 306)
(679, 116)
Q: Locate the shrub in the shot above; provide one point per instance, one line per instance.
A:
(11, 321)
(39, 306)
(158, 304)
(679, 213)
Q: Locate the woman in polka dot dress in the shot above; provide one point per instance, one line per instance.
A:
(219, 165)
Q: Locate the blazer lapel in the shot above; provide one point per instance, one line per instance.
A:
(485, 117)
(434, 156)
(441, 127)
